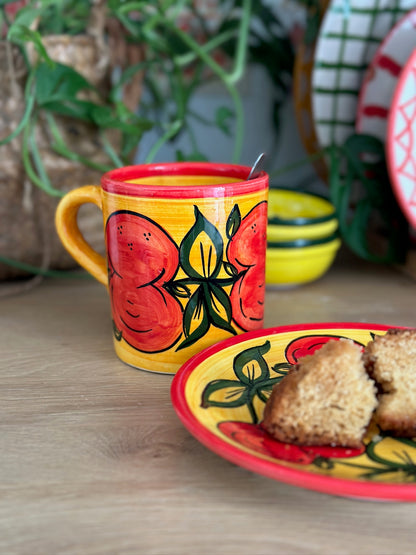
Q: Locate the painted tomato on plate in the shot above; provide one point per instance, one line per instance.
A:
(307, 345)
(254, 437)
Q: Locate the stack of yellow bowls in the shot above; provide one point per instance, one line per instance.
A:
(302, 237)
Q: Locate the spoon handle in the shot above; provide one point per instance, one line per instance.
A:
(257, 167)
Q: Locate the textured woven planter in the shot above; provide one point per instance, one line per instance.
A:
(27, 230)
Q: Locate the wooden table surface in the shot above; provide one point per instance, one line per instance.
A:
(94, 460)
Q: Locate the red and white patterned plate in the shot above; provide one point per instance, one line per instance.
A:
(349, 36)
(401, 141)
(381, 77)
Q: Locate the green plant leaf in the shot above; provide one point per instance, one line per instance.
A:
(59, 83)
(26, 16)
(194, 156)
(127, 122)
(223, 119)
(361, 192)
(29, 106)
(20, 34)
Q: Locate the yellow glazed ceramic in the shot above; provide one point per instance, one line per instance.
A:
(294, 232)
(288, 207)
(296, 215)
(220, 394)
(293, 265)
(185, 264)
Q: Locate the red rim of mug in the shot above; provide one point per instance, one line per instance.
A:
(116, 181)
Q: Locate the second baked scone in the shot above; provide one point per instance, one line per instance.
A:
(391, 360)
(326, 399)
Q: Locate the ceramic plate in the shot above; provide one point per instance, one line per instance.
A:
(381, 77)
(348, 39)
(219, 396)
(401, 137)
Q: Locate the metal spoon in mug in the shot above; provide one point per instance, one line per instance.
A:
(257, 167)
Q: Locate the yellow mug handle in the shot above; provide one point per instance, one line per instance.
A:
(71, 236)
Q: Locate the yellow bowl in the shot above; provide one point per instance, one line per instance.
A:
(298, 208)
(287, 266)
(296, 215)
(294, 232)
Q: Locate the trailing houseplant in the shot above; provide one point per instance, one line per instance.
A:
(74, 117)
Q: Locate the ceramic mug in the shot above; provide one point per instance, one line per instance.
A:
(185, 256)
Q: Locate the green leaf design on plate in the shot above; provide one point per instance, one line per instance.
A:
(401, 464)
(253, 380)
(233, 394)
(250, 366)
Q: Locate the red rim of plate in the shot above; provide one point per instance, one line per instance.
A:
(117, 180)
(293, 476)
(391, 161)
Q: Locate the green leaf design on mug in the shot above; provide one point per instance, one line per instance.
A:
(193, 311)
(195, 319)
(118, 334)
(210, 252)
(219, 307)
(230, 269)
(201, 258)
(179, 290)
(233, 222)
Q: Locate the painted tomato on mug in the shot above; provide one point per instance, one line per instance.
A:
(149, 318)
(142, 259)
(246, 252)
(139, 249)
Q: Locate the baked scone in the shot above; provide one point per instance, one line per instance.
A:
(326, 399)
(390, 360)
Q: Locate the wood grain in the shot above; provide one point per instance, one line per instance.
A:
(93, 459)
